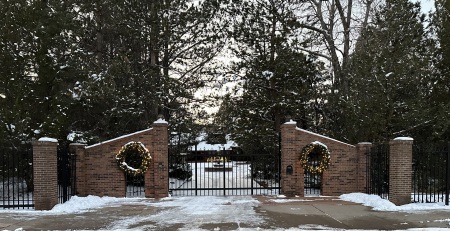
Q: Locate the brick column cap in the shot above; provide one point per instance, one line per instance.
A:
(160, 122)
(404, 138)
(48, 139)
(291, 123)
(43, 142)
(364, 143)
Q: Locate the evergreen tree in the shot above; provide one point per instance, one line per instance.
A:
(149, 58)
(38, 50)
(441, 77)
(390, 77)
(277, 79)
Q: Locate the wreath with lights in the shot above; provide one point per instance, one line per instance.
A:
(133, 158)
(324, 161)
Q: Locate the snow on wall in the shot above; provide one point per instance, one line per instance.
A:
(118, 138)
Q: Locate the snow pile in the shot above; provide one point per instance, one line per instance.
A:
(83, 204)
(384, 205)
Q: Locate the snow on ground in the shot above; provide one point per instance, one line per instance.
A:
(196, 211)
(193, 212)
(384, 205)
(78, 205)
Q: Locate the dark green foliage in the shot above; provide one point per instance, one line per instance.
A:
(277, 79)
(390, 78)
(441, 77)
(102, 68)
(180, 171)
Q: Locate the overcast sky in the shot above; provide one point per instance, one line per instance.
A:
(427, 5)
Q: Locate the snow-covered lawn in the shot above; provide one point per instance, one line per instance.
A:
(211, 183)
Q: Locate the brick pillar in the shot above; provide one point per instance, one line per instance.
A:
(291, 184)
(158, 176)
(400, 170)
(80, 171)
(362, 152)
(45, 174)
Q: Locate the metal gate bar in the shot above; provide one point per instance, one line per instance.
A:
(378, 170)
(223, 173)
(16, 176)
(66, 162)
(430, 173)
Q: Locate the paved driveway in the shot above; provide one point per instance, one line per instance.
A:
(224, 213)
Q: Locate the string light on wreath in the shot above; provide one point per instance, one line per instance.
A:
(324, 155)
(133, 158)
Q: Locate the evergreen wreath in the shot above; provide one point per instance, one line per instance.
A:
(324, 161)
(133, 158)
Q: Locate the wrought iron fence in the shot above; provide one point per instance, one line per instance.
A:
(135, 185)
(66, 173)
(431, 173)
(313, 180)
(223, 173)
(378, 170)
(16, 176)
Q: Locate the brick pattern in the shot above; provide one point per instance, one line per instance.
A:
(159, 174)
(400, 171)
(98, 173)
(293, 184)
(343, 174)
(362, 152)
(80, 183)
(45, 175)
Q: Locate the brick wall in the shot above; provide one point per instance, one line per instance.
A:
(98, 173)
(343, 174)
(400, 171)
(45, 174)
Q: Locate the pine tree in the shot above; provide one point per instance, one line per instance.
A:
(441, 78)
(277, 78)
(148, 59)
(390, 76)
(38, 50)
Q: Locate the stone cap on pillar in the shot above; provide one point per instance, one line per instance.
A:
(48, 139)
(45, 141)
(161, 121)
(291, 122)
(404, 138)
(400, 140)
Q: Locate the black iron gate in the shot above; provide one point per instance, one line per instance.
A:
(313, 180)
(431, 170)
(66, 173)
(378, 170)
(223, 172)
(135, 185)
(16, 176)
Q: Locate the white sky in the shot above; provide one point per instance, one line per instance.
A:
(427, 5)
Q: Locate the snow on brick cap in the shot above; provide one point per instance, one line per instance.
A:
(291, 122)
(404, 138)
(48, 139)
(160, 121)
